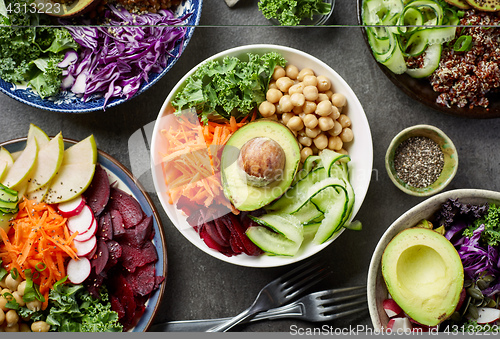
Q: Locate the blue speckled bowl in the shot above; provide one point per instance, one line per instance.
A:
(67, 102)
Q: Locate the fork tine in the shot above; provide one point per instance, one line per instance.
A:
(305, 283)
(325, 301)
(334, 308)
(339, 290)
(308, 266)
(344, 314)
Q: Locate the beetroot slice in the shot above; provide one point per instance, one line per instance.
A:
(114, 249)
(98, 193)
(142, 281)
(138, 235)
(212, 231)
(213, 244)
(117, 306)
(133, 257)
(222, 229)
(101, 257)
(236, 244)
(127, 205)
(234, 225)
(117, 223)
(105, 229)
(126, 297)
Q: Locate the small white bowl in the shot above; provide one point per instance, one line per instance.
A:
(361, 151)
(377, 290)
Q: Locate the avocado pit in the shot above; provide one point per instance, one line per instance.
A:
(262, 161)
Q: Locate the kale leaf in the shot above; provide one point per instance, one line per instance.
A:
(292, 12)
(491, 222)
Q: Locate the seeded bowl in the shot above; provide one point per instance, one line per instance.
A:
(450, 159)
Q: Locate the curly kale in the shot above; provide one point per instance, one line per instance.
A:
(453, 211)
(292, 12)
(491, 221)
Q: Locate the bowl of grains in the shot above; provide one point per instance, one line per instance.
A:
(421, 160)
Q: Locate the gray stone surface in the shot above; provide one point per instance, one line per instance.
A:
(199, 286)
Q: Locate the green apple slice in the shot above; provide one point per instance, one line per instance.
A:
(70, 181)
(84, 152)
(6, 156)
(41, 137)
(48, 162)
(22, 167)
(5, 220)
(39, 194)
(3, 168)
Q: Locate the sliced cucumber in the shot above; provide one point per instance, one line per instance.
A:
(334, 202)
(287, 225)
(308, 213)
(432, 58)
(272, 242)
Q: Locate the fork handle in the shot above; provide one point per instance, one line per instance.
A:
(233, 321)
(288, 311)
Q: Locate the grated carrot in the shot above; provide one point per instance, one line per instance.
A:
(39, 235)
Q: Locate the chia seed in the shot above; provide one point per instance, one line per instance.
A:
(418, 161)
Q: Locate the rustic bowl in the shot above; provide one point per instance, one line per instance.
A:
(450, 159)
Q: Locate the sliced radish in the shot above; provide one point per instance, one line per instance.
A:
(399, 325)
(78, 270)
(85, 247)
(81, 222)
(488, 315)
(391, 308)
(72, 207)
(89, 233)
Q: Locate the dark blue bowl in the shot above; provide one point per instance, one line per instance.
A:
(67, 102)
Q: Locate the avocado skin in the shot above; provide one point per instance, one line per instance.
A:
(246, 197)
(424, 274)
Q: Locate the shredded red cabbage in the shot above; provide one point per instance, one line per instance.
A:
(115, 59)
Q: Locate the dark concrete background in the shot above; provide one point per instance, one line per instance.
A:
(199, 286)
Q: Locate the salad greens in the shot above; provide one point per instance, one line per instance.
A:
(491, 222)
(292, 12)
(73, 309)
(231, 88)
(30, 53)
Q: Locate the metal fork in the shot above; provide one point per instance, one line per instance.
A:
(315, 307)
(278, 292)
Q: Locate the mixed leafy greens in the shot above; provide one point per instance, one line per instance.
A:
(232, 87)
(30, 52)
(292, 12)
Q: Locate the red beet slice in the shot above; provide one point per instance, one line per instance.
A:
(234, 225)
(158, 280)
(213, 244)
(222, 229)
(98, 193)
(138, 235)
(124, 293)
(127, 205)
(117, 306)
(101, 257)
(105, 229)
(212, 231)
(133, 257)
(114, 249)
(236, 244)
(142, 281)
(117, 223)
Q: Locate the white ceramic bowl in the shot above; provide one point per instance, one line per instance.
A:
(377, 290)
(361, 151)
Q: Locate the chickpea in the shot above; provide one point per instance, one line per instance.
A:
(13, 283)
(335, 113)
(284, 83)
(305, 140)
(311, 93)
(310, 80)
(324, 108)
(310, 121)
(2, 316)
(23, 327)
(295, 124)
(337, 128)
(266, 109)
(298, 99)
(329, 94)
(322, 97)
(344, 121)
(309, 107)
(346, 135)
(272, 85)
(273, 117)
(279, 72)
(324, 84)
(305, 152)
(303, 73)
(325, 123)
(321, 141)
(292, 71)
(18, 298)
(286, 117)
(13, 328)
(21, 287)
(314, 149)
(335, 143)
(3, 302)
(273, 95)
(297, 88)
(11, 318)
(298, 110)
(313, 132)
(34, 305)
(40, 326)
(339, 99)
(285, 104)
(343, 151)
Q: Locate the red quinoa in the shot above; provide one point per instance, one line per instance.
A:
(465, 78)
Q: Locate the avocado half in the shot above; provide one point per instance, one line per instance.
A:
(485, 5)
(424, 274)
(238, 189)
(462, 4)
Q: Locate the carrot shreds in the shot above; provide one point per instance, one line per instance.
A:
(191, 162)
(40, 241)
